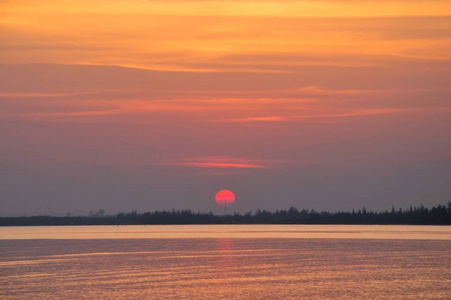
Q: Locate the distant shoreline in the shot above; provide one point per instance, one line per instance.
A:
(438, 215)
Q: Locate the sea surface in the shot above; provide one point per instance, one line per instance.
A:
(226, 262)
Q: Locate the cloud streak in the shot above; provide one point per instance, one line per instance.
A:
(222, 163)
(351, 114)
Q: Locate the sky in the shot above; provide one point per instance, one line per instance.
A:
(153, 105)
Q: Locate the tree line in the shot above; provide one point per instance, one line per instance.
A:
(438, 215)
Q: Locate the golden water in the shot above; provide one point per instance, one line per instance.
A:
(225, 262)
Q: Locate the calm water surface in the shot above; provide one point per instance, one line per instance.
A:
(232, 261)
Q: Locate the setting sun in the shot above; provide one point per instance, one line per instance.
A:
(225, 198)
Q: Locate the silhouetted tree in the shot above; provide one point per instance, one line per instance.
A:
(438, 215)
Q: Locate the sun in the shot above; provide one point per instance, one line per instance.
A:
(225, 198)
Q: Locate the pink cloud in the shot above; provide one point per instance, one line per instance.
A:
(222, 163)
(357, 113)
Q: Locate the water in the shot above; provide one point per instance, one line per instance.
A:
(225, 262)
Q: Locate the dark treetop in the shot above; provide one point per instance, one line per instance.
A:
(438, 215)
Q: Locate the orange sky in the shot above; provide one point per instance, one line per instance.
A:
(320, 104)
(222, 35)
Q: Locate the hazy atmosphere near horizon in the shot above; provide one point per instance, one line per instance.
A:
(153, 105)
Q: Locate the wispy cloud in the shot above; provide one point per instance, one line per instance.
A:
(115, 108)
(319, 91)
(358, 113)
(222, 163)
(251, 119)
(216, 164)
(350, 114)
(34, 95)
(371, 112)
